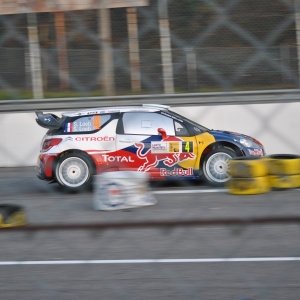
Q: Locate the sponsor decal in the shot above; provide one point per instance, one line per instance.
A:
(47, 119)
(68, 139)
(69, 127)
(108, 158)
(94, 139)
(175, 147)
(88, 123)
(171, 116)
(159, 147)
(166, 147)
(92, 112)
(177, 172)
(169, 159)
(256, 152)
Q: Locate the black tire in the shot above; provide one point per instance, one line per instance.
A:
(74, 171)
(215, 166)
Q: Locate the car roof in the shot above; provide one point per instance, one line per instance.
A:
(116, 109)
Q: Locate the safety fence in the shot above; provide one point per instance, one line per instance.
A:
(146, 47)
(189, 99)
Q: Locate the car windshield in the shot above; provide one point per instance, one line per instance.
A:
(194, 124)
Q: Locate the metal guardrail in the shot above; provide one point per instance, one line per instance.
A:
(166, 224)
(190, 99)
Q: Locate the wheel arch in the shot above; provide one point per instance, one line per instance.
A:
(217, 145)
(74, 151)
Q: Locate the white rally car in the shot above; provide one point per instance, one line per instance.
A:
(146, 138)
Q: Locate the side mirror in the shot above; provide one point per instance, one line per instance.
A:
(162, 132)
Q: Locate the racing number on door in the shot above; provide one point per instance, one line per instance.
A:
(187, 147)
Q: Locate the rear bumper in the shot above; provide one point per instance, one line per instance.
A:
(41, 175)
(45, 166)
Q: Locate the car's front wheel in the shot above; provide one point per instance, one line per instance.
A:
(215, 166)
(74, 171)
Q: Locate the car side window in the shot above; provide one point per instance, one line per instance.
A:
(86, 123)
(180, 129)
(146, 123)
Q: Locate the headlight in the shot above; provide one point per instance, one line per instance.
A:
(248, 143)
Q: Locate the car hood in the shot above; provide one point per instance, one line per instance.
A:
(231, 136)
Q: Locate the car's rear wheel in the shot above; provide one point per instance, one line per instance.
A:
(74, 171)
(215, 166)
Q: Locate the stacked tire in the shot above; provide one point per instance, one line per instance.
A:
(248, 176)
(284, 171)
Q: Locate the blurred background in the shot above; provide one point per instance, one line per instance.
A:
(95, 48)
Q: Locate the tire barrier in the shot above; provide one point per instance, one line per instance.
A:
(284, 171)
(285, 182)
(243, 167)
(248, 176)
(116, 190)
(249, 186)
(260, 175)
(12, 216)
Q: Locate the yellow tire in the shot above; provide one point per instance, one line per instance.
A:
(247, 167)
(283, 164)
(285, 182)
(248, 186)
(11, 216)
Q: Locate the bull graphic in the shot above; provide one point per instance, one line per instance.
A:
(152, 159)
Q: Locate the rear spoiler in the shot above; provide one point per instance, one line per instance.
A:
(48, 120)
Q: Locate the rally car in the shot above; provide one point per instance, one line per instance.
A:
(146, 138)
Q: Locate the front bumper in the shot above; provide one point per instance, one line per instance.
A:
(258, 152)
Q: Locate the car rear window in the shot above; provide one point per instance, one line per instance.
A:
(86, 123)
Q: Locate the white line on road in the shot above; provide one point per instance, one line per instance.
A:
(195, 191)
(149, 261)
(190, 191)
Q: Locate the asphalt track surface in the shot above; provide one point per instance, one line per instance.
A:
(243, 262)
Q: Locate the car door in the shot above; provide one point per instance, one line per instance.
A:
(149, 139)
(188, 157)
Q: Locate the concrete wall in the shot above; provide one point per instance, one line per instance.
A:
(275, 125)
